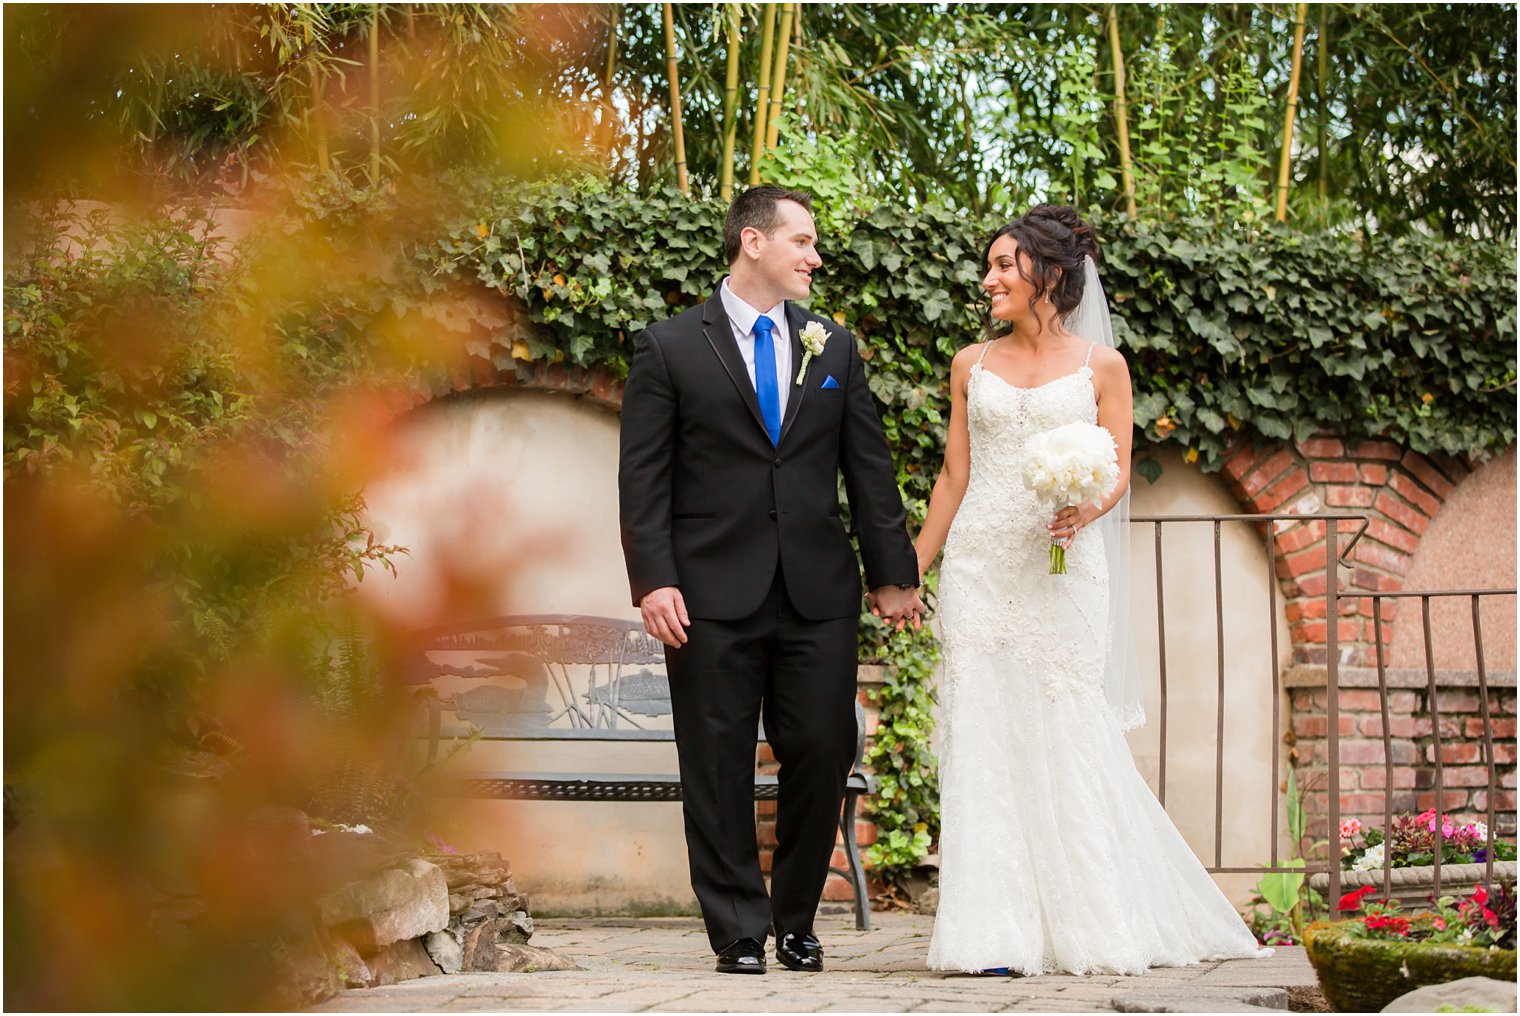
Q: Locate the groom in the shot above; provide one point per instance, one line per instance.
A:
(733, 440)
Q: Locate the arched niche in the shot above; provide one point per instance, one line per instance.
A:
(513, 495)
(1192, 668)
(1470, 545)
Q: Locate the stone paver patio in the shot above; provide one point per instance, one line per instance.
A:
(664, 965)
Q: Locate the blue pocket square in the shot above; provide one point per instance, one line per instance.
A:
(829, 382)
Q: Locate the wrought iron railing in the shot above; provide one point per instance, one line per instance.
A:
(1336, 527)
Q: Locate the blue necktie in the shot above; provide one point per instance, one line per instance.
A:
(765, 378)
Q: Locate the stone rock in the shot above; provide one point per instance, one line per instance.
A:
(304, 972)
(445, 949)
(1470, 994)
(517, 927)
(469, 942)
(398, 904)
(516, 958)
(401, 961)
(480, 946)
(486, 868)
(351, 968)
(475, 879)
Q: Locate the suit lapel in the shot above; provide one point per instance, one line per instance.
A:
(720, 335)
(794, 325)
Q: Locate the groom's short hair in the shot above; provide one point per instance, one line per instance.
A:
(756, 209)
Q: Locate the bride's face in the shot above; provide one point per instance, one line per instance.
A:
(1005, 281)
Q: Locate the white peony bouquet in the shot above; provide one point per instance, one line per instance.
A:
(1070, 465)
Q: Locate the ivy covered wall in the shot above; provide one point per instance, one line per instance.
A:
(1232, 334)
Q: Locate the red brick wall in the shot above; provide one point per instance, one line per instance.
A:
(1401, 491)
(1363, 774)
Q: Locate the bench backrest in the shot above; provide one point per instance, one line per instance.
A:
(560, 677)
(550, 677)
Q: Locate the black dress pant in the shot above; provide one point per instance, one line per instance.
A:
(801, 674)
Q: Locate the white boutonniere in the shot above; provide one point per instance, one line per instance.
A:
(813, 337)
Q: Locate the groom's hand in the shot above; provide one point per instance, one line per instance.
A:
(665, 617)
(896, 606)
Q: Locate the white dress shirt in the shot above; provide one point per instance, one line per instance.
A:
(742, 317)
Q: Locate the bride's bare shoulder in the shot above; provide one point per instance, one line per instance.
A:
(968, 355)
(1107, 359)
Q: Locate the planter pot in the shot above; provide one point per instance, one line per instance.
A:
(1413, 886)
(1364, 975)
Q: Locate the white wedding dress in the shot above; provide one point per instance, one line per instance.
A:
(1054, 853)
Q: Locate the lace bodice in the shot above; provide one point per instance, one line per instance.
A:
(1002, 418)
(999, 530)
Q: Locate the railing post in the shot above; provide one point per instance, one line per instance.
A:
(1488, 745)
(1332, 708)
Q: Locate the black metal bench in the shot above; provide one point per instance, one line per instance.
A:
(553, 677)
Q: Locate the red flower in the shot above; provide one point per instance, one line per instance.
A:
(1480, 896)
(1389, 925)
(1353, 899)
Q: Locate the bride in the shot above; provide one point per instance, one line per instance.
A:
(1054, 854)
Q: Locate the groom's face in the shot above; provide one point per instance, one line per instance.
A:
(787, 257)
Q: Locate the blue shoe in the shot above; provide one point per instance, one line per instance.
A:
(995, 972)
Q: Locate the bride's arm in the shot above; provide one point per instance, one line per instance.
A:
(950, 486)
(1116, 414)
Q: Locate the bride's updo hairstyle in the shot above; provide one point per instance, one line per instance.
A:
(1051, 237)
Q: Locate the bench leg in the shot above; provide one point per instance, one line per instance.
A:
(852, 854)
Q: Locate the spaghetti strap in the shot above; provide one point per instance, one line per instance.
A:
(986, 346)
(1088, 362)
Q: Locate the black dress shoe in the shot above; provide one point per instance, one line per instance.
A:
(799, 952)
(745, 956)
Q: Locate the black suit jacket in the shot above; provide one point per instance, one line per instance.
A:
(707, 504)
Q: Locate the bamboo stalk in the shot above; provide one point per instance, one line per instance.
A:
(374, 95)
(1121, 112)
(1284, 163)
(730, 105)
(1324, 75)
(778, 78)
(767, 38)
(675, 100)
(317, 115)
(608, 129)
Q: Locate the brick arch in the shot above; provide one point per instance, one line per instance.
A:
(1400, 491)
(598, 386)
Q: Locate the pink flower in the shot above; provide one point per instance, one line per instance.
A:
(1350, 828)
(1439, 922)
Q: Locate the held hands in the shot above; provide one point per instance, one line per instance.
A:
(896, 606)
(664, 612)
